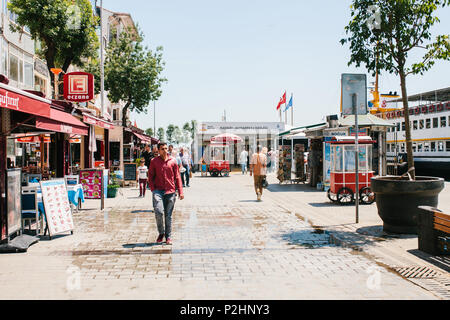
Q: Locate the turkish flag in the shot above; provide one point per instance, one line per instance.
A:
(282, 101)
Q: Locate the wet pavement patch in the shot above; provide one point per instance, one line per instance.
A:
(308, 238)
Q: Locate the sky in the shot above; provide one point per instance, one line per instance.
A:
(241, 56)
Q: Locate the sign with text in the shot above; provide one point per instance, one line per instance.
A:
(57, 206)
(78, 86)
(354, 84)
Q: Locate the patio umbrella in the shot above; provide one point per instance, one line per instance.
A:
(226, 137)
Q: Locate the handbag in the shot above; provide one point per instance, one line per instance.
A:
(190, 174)
(182, 170)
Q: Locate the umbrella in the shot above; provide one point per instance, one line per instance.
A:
(226, 137)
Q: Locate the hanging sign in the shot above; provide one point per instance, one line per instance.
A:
(78, 86)
(354, 84)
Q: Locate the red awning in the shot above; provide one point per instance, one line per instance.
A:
(97, 122)
(62, 122)
(20, 100)
(146, 139)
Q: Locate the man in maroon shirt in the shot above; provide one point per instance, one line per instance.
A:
(164, 180)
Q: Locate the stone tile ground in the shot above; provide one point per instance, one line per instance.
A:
(226, 246)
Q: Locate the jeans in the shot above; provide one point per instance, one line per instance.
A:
(244, 167)
(163, 205)
(186, 173)
(142, 186)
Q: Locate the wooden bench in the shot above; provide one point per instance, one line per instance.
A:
(434, 231)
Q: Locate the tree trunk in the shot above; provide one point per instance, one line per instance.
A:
(124, 114)
(407, 124)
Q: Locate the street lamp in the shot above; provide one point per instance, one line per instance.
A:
(56, 72)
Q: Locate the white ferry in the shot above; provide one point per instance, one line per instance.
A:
(430, 131)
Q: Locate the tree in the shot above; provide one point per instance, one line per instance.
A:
(133, 73)
(177, 135)
(169, 133)
(149, 132)
(191, 128)
(160, 134)
(402, 25)
(65, 29)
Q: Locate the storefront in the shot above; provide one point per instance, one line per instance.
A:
(35, 138)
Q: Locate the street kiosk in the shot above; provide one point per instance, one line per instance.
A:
(343, 171)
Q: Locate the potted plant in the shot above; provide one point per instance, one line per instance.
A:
(381, 35)
(113, 186)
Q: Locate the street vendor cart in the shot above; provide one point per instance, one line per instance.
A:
(219, 163)
(343, 171)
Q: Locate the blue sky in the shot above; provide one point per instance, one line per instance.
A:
(240, 56)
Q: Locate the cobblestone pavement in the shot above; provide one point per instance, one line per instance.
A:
(225, 246)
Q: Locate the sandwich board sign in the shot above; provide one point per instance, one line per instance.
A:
(57, 207)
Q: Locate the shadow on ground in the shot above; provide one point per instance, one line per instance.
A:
(442, 262)
(291, 188)
(377, 231)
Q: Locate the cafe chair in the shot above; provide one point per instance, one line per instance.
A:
(30, 209)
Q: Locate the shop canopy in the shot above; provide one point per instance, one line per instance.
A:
(61, 121)
(22, 101)
(89, 119)
(365, 120)
(146, 139)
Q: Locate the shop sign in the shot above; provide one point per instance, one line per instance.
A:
(361, 133)
(98, 123)
(78, 86)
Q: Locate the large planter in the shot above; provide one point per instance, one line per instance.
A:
(398, 201)
(111, 192)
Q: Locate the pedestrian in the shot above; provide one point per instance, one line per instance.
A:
(142, 174)
(243, 161)
(170, 149)
(186, 163)
(155, 151)
(258, 166)
(164, 180)
(147, 155)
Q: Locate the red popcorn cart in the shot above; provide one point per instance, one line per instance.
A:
(219, 162)
(343, 170)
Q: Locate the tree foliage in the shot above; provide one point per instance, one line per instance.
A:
(403, 25)
(65, 29)
(191, 127)
(133, 73)
(160, 134)
(170, 133)
(149, 132)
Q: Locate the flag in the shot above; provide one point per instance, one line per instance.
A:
(289, 104)
(282, 100)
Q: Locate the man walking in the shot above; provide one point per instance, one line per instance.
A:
(147, 155)
(186, 163)
(258, 166)
(164, 180)
(243, 161)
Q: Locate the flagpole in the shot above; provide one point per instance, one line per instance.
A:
(292, 110)
(285, 111)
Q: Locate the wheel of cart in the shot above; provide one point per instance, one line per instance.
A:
(214, 173)
(224, 173)
(345, 196)
(331, 196)
(366, 196)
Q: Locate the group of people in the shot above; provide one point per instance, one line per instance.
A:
(270, 157)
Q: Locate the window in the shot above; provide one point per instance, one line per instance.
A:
(428, 123)
(13, 68)
(403, 149)
(420, 147)
(443, 122)
(403, 126)
(116, 114)
(28, 71)
(414, 147)
(441, 146)
(415, 125)
(421, 124)
(433, 147)
(447, 146)
(40, 84)
(435, 122)
(426, 147)
(20, 70)
(398, 126)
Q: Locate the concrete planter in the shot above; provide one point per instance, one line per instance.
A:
(398, 201)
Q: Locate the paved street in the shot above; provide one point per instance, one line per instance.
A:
(225, 246)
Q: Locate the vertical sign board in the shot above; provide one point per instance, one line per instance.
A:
(14, 201)
(57, 206)
(354, 84)
(130, 170)
(92, 181)
(78, 86)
